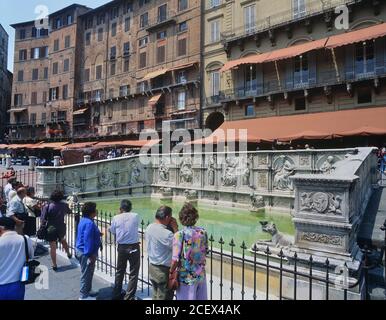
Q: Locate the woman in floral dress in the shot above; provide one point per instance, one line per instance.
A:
(190, 248)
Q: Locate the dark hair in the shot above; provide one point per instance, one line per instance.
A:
(88, 209)
(12, 180)
(188, 215)
(163, 212)
(126, 205)
(57, 196)
(7, 223)
(30, 191)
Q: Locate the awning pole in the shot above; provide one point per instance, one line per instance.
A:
(278, 75)
(335, 64)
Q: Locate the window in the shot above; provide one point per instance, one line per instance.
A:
(250, 79)
(161, 35)
(215, 83)
(112, 69)
(114, 13)
(181, 100)
(365, 95)
(142, 60)
(126, 48)
(98, 72)
(141, 105)
(58, 23)
(88, 38)
(34, 98)
(67, 42)
(45, 73)
(23, 55)
(181, 47)
(101, 19)
(143, 41)
(162, 13)
(127, 24)
(144, 20)
(22, 34)
(44, 117)
(300, 104)
(20, 75)
(161, 54)
(214, 3)
(18, 100)
(113, 53)
(364, 58)
(129, 7)
(250, 18)
(124, 91)
(55, 68)
(301, 73)
(33, 118)
(110, 129)
(299, 8)
(250, 110)
(183, 26)
(35, 53)
(43, 52)
(62, 115)
(100, 34)
(124, 107)
(114, 29)
(181, 77)
(215, 31)
(54, 94)
(87, 75)
(66, 65)
(126, 65)
(44, 97)
(89, 23)
(143, 2)
(142, 86)
(65, 91)
(35, 74)
(69, 19)
(182, 5)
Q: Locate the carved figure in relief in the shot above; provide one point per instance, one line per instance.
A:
(211, 171)
(283, 173)
(230, 176)
(135, 174)
(163, 171)
(328, 166)
(320, 202)
(257, 201)
(186, 171)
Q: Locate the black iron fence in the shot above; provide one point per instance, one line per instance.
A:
(25, 176)
(249, 273)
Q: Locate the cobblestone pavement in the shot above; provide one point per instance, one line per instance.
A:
(64, 284)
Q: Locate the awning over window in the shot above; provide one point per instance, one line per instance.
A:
(293, 51)
(155, 74)
(183, 66)
(18, 110)
(80, 111)
(325, 125)
(53, 145)
(127, 143)
(80, 145)
(360, 35)
(154, 99)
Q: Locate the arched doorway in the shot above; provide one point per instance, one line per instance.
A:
(214, 121)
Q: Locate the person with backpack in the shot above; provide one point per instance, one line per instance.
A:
(12, 260)
(53, 217)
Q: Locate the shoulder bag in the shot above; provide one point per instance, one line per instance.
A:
(173, 283)
(29, 274)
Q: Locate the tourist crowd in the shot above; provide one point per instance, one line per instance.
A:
(177, 257)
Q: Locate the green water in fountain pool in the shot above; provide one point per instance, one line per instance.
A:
(228, 223)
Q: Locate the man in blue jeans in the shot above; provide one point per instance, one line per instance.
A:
(88, 243)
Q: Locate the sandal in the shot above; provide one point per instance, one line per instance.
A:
(55, 269)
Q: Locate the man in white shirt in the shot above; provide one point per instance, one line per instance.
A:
(12, 259)
(17, 210)
(8, 187)
(125, 226)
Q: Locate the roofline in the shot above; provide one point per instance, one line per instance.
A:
(103, 6)
(5, 31)
(20, 24)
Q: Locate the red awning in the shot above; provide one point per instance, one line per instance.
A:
(360, 35)
(325, 125)
(154, 99)
(80, 145)
(155, 74)
(127, 143)
(183, 66)
(52, 145)
(254, 59)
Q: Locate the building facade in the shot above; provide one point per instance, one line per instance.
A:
(111, 71)
(269, 58)
(5, 82)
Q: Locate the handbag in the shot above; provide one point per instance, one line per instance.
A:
(43, 229)
(173, 283)
(29, 274)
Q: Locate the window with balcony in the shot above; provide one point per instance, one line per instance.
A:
(301, 71)
(299, 8)
(250, 18)
(98, 95)
(124, 91)
(162, 13)
(181, 100)
(250, 79)
(215, 31)
(143, 41)
(182, 5)
(364, 58)
(142, 86)
(144, 20)
(365, 95)
(161, 35)
(183, 26)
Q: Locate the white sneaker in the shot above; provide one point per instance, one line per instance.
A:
(88, 298)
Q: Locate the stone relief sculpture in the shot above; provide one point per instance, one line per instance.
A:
(284, 168)
(72, 180)
(322, 238)
(279, 240)
(247, 173)
(211, 171)
(186, 171)
(328, 166)
(321, 203)
(229, 178)
(257, 201)
(135, 174)
(191, 194)
(163, 171)
(106, 178)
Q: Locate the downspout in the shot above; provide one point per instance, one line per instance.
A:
(202, 71)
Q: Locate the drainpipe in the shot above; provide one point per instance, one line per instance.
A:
(202, 71)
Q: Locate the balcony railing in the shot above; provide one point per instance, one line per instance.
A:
(313, 8)
(326, 78)
(161, 20)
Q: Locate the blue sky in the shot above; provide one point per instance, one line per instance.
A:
(13, 11)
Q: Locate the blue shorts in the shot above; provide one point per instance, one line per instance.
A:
(12, 291)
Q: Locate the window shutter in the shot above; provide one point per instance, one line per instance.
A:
(380, 56)
(259, 79)
(289, 77)
(312, 67)
(349, 63)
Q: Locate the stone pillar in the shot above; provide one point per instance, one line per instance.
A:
(87, 158)
(32, 163)
(56, 161)
(3, 162)
(8, 163)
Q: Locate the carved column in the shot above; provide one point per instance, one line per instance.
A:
(32, 163)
